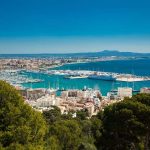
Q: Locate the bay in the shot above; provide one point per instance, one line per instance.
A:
(140, 67)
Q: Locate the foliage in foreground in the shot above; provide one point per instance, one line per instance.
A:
(19, 123)
(126, 125)
(121, 126)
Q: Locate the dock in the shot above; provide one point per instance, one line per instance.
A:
(86, 73)
(134, 91)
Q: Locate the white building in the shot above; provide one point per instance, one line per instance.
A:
(90, 107)
(81, 94)
(145, 90)
(97, 102)
(124, 92)
(47, 101)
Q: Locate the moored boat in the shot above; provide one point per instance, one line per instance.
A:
(102, 77)
(75, 77)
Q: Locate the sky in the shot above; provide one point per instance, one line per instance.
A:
(62, 26)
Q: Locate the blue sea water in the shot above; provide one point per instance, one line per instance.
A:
(139, 67)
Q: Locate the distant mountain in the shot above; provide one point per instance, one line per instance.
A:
(103, 53)
(118, 53)
(111, 53)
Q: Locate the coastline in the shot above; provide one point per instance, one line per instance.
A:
(58, 80)
(84, 62)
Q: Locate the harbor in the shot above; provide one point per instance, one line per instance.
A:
(75, 76)
(15, 78)
(97, 75)
(71, 86)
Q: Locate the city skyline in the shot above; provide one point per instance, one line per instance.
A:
(74, 26)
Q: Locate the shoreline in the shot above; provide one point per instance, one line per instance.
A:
(76, 84)
(87, 62)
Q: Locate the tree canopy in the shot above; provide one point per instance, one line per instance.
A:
(121, 126)
(126, 125)
(19, 123)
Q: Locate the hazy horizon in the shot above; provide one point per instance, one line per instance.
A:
(71, 52)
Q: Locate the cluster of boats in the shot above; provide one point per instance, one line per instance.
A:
(96, 77)
(18, 77)
(107, 76)
(14, 77)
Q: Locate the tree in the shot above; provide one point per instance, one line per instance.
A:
(52, 115)
(142, 98)
(87, 146)
(145, 99)
(96, 129)
(82, 114)
(125, 125)
(19, 123)
(67, 132)
(52, 143)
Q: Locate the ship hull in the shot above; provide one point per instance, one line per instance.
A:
(102, 77)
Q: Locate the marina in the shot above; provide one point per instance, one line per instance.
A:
(15, 78)
(97, 75)
(76, 76)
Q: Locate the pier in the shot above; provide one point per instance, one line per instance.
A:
(86, 73)
(134, 91)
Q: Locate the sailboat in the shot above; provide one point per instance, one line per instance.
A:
(51, 90)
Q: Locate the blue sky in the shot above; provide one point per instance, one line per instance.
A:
(60, 26)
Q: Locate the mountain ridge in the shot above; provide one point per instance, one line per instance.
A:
(85, 54)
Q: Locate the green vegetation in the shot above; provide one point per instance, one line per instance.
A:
(121, 126)
(20, 125)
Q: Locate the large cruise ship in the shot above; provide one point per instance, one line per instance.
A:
(103, 77)
(75, 77)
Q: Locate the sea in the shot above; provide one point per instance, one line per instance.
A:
(139, 67)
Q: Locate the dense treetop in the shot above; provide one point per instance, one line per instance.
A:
(121, 126)
(19, 123)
